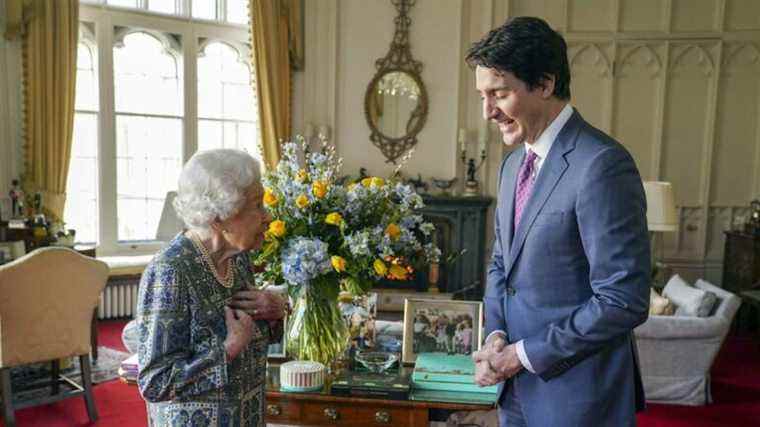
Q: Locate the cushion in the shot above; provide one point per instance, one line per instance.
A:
(689, 301)
(659, 305)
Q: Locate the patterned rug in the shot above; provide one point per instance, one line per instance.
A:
(32, 378)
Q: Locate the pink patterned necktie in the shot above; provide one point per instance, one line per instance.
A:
(524, 185)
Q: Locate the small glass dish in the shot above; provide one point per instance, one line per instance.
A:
(376, 361)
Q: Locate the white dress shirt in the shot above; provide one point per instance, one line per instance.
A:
(541, 148)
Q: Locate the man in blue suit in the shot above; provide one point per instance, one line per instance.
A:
(569, 277)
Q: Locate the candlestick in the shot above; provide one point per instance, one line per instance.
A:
(462, 139)
(483, 138)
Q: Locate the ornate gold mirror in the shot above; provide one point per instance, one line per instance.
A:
(396, 103)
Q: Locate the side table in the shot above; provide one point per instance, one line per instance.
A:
(324, 409)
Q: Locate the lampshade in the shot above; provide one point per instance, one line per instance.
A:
(661, 206)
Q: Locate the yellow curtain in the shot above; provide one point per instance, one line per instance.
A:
(49, 51)
(274, 33)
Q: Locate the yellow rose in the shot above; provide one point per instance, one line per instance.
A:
(380, 267)
(277, 228)
(302, 175)
(319, 188)
(338, 263)
(373, 181)
(351, 186)
(334, 218)
(302, 201)
(398, 272)
(393, 231)
(269, 198)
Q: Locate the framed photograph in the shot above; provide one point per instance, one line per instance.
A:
(360, 313)
(12, 250)
(430, 326)
(277, 351)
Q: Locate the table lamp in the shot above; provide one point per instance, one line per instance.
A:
(661, 215)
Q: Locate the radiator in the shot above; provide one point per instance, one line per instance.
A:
(118, 299)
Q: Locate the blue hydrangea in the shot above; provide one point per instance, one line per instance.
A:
(358, 243)
(304, 259)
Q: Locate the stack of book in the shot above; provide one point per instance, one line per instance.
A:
(392, 384)
(128, 370)
(448, 377)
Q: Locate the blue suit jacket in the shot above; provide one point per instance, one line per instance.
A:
(572, 280)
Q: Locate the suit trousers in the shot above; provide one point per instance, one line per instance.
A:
(510, 412)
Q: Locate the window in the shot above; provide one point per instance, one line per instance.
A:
(81, 211)
(230, 11)
(152, 88)
(148, 106)
(226, 101)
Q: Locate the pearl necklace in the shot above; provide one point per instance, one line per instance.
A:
(228, 281)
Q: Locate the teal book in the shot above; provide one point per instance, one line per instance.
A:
(453, 397)
(447, 372)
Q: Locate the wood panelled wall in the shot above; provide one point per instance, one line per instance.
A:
(678, 83)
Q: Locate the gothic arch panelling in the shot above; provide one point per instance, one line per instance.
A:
(590, 65)
(690, 79)
(689, 57)
(637, 105)
(735, 160)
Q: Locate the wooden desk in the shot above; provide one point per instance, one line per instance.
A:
(324, 409)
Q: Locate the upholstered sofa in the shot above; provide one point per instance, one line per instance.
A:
(676, 352)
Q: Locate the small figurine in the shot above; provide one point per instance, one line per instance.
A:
(17, 199)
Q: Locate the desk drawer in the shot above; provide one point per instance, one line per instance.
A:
(369, 415)
(380, 416)
(277, 411)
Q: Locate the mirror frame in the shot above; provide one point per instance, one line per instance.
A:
(398, 59)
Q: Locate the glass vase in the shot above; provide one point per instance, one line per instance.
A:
(316, 330)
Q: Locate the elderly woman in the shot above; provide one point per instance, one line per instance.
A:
(203, 328)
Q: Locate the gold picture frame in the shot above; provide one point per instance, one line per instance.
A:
(453, 327)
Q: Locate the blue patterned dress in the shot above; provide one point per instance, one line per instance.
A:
(183, 374)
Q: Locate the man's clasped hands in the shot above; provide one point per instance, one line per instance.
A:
(496, 361)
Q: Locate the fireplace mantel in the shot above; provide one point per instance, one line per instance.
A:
(466, 217)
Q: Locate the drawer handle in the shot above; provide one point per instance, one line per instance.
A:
(274, 410)
(331, 414)
(382, 417)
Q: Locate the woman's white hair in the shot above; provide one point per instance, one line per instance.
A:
(213, 184)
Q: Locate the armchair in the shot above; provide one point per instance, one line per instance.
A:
(46, 303)
(676, 352)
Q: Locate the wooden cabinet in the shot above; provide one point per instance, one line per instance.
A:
(741, 265)
(741, 272)
(321, 409)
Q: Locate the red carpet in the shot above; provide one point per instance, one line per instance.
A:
(736, 391)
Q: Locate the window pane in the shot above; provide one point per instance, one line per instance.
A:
(248, 139)
(86, 84)
(123, 3)
(163, 6)
(146, 78)
(224, 89)
(148, 162)
(237, 11)
(210, 134)
(81, 211)
(204, 9)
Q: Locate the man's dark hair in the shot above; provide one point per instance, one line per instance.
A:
(528, 48)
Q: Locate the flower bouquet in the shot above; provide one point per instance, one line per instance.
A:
(325, 237)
